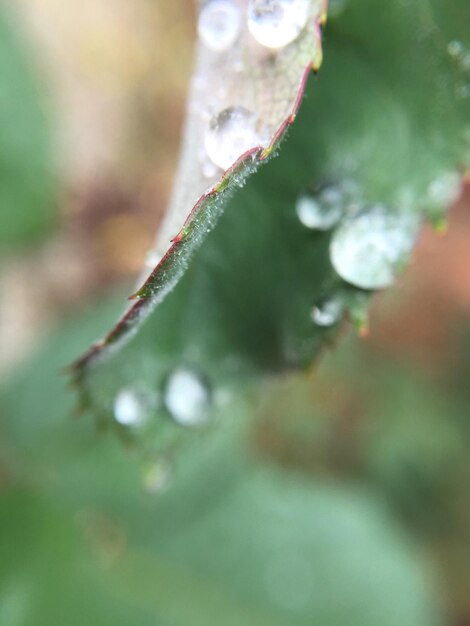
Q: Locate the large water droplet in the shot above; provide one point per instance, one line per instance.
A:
(328, 311)
(187, 397)
(219, 24)
(276, 23)
(369, 249)
(323, 210)
(230, 134)
(131, 407)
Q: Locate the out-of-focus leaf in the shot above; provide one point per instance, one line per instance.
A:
(228, 540)
(26, 163)
(48, 577)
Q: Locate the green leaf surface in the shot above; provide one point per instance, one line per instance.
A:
(230, 539)
(385, 117)
(27, 185)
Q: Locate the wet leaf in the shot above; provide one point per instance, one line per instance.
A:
(383, 125)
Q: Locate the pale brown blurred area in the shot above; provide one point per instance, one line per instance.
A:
(115, 76)
(422, 316)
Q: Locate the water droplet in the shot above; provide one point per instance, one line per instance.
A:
(230, 134)
(323, 210)
(152, 259)
(276, 23)
(369, 249)
(187, 397)
(219, 24)
(131, 407)
(455, 48)
(328, 311)
(445, 190)
(156, 477)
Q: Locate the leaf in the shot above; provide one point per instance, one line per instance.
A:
(27, 181)
(231, 540)
(386, 116)
(265, 85)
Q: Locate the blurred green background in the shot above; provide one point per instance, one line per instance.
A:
(344, 502)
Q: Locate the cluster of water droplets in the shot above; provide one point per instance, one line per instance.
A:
(272, 24)
(276, 23)
(185, 395)
(369, 245)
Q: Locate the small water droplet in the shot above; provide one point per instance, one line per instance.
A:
(328, 311)
(230, 134)
(156, 477)
(131, 407)
(369, 249)
(445, 190)
(455, 48)
(187, 397)
(152, 259)
(323, 210)
(276, 23)
(219, 24)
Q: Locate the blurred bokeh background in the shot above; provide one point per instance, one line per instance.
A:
(91, 107)
(111, 101)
